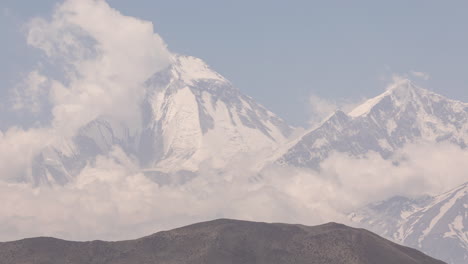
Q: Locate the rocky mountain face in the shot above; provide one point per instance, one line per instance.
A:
(436, 225)
(403, 114)
(223, 241)
(191, 115)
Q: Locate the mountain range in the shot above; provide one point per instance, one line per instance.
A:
(223, 241)
(403, 114)
(192, 117)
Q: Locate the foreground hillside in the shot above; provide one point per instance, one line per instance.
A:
(223, 241)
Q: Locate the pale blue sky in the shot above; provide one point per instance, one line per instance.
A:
(280, 52)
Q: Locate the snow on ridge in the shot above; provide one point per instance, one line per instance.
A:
(401, 86)
(457, 231)
(448, 200)
(403, 91)
(191, 69)
(428, 224)
(367, 106)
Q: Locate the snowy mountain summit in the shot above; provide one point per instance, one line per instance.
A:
(191, 115)
(404, 113)
(196, 115)
(437, 225)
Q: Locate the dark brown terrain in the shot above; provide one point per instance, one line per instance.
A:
(223, 241)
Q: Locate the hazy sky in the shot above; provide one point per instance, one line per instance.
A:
(282, 52)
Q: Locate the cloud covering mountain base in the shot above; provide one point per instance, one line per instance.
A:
(112, 200)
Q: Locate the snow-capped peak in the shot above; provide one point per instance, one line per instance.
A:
(191, 69)
(404, 113)
(191, 116)
(200, 115)
(401, 91)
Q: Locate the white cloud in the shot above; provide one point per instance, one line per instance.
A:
(17, 150)
(29, 94)
(321, 108)
(112, 200)
(106, 56)
(423, 75)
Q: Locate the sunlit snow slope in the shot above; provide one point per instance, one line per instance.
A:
(192, 116)
(436, 225)
(403, 114)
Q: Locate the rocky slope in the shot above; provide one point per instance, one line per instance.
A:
(223, 241)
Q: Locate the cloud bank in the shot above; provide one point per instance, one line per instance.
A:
(112, 200)
(102, 57)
